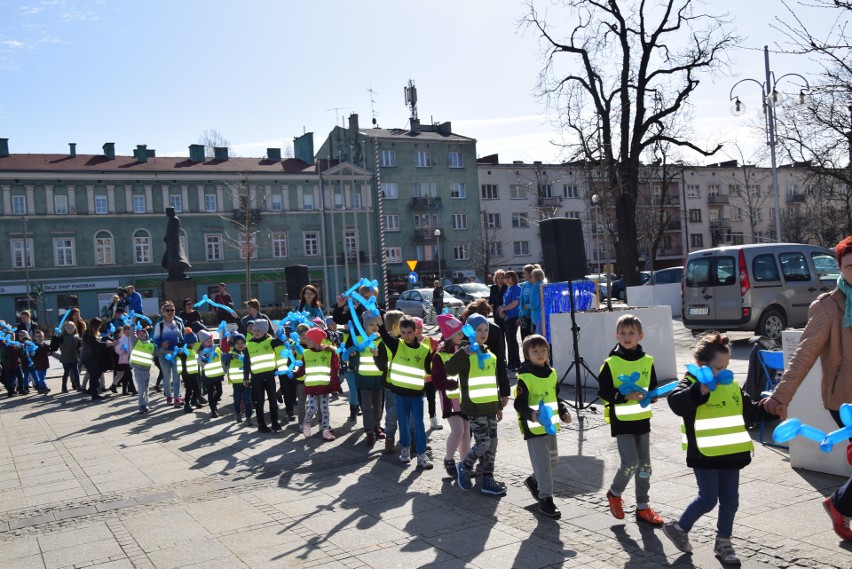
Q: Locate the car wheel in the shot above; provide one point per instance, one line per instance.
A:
(771, 324)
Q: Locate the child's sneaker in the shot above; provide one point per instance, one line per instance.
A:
(306, 429)
(371, 438)
(328, 435)
(169, 401)
(679, 538)
(450, 466)
(249, 422)
(380, 434)
(405, 455)
(435, 424)
(724, 550)
(463, 476)
(424, 462)
(616, 505)
(548, 508)
(649, 516)
(238, 418)
(491, 486)
(532, 486)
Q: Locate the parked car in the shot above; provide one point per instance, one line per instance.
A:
(418, 302)
(763, 287)
(619, 291)
(665, 276)
(468, 292)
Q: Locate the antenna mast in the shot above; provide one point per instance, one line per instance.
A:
(411, 98)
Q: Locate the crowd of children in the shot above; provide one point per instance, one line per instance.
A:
(391, 368)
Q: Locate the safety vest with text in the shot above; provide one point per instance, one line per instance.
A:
(719, 425)
(450, 393)
(630, 410)
(482, 383)
(261, 356)
(407, 368)
(317, 367)
(539, 389)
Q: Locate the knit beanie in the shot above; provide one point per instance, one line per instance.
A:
(449, 325)
(203, 336)
(476, 320)
(261, 325)
(316, 335)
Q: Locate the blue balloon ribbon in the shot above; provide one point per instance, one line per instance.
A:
(468, 331)
(205, 300)
(705, 375)
(58, 329)
(792, 428)
(292, 365)
(657, 393)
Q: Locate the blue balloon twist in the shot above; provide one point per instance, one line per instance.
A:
(109, 331)
(792, 428)
(545, 417)
(177, 351)
(58, 329)
(705, 375)
(628, 384)
(223, 331)
(481, 356)
(657, 393)
(292, 363)
(205, 300)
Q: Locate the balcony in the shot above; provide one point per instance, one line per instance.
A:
(426, 235)
(796, 198)
(239, 216)
(425, 203)
(673, 225)
(718, 199)
(550, 201)
(720, 224)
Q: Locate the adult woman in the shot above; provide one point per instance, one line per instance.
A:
(827, 336)
(254, 313)
(78, 321)
(189, 314)
(537, 280)
(524, 319)
(92, 355)
(509, 312)
(495, 295)
(168, 333)
(309, 302)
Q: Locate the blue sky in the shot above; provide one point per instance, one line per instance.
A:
(262, 72)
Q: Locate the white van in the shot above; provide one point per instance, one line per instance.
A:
(764, 288)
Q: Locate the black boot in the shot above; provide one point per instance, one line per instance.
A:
(353, 413)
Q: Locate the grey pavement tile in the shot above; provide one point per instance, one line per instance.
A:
(416, 553)
(188, 553)
(357, 537)
(325, 522)
(116, 504)
(519, 555)
(226, 514)
(470, 540)
(20, 546)
(397, 506)
(117, 564)
(64, 483)
(80, 553)
(79, 535)
(56, 497)
(155, 497)
(28, 562)
(228, 562)
(30, 521)
(74, 512)
(427, 522)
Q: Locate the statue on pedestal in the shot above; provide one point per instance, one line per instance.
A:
(175, 260)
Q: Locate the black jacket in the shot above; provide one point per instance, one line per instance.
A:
(608, 392)
(522, 404)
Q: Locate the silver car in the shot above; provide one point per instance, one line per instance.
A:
(418, 302)
(468, 292)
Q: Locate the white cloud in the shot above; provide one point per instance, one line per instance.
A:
(13, 44)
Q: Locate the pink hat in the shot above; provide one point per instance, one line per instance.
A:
(316, 335)
(418, 322)
(318, 322)
(449, 325)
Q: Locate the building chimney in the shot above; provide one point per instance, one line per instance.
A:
(196, 153)
(220, 152)
(353, 126)
(273, 154)
(415, 124)
(109, 150)
(72, 149)
(4, 147)
(141, 153)
(303, 147)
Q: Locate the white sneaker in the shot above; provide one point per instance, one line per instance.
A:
(424, 462)
(405, 455)
(436, 424)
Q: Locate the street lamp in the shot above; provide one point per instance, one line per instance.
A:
(438, 238)
(771, 98)
(596, 200)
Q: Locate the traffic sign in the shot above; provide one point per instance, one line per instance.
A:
(412, 264)
(412, 277)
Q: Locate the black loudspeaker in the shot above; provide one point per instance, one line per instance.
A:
(297, 277)
(563, 248)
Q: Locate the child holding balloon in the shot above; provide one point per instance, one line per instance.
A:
(715, 411)
(536, 389)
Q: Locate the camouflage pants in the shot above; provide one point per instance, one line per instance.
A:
(484, 449)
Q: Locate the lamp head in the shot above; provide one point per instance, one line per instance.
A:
(738, 108)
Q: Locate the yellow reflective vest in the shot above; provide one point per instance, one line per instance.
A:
(317, 367)
(407, 370)
(366, 363)
(719, 425)
(630, 410)
(482, 383)
(540, 389)
(261, 356)
(214, 368)
(142, 354)
(451, 393)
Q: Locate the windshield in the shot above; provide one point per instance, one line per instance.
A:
(473, 288)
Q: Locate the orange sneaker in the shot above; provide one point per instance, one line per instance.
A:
(616, 505)
(649, 516)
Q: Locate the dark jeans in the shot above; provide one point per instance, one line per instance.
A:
(72, 370)
(93, 367)
(430, 398)
(288, 386)
(214, 391)
(510, 328)
(842, 497)
(260, 387)
(714, 485)
(191, 389)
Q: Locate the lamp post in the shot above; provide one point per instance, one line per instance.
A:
(596, 200)
(438, 239)
(771, 98)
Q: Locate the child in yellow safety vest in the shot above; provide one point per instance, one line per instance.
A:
(538, 385)
(448, 389)
(141, 360)
(431, 399)
(212, 370)
(629, 421)
(717, 444)
(321, 373)
(233, 362)
(368, 376)
(190, 372)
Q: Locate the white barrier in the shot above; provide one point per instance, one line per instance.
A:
(656, 295)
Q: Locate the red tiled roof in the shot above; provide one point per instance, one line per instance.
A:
(173, 164)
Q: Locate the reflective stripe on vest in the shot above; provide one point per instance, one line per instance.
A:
(261, 356)
(214, 367)
(450, 393)
(366, 363)
(630, 410)
(482, 383)
(317, 367)
(719, 426)
(407, 369)
(190, 363)
(235, 371)
(142, 354)
(540, 389)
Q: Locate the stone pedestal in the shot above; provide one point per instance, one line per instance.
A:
(177, 291)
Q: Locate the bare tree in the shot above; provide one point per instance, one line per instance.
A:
(212, 138)
(618, 79)
(489, 254)
(538, 182)
(658, 209)
(750, 193)
(246, 222)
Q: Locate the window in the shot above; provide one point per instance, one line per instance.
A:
(794, 267)
(19, 205)
(696, 240)
(248, 248)
(495, 249)
(517, 192)
(695, 215)
(65, 302)
(753, 189)
(22, 250)
(103, 248)
(390, 191)
(693, 191)
(101, 205)
(338, 200)
(457, 191)
(570, 191)
(176, 202)
(60, 204)
(424, 190)
(210, 202)
(461, 252)
(63, 252)
(138, 204)
(714, 189)
(735, 190)
(520, 220)
(311, 241)
(394, 254)
(276, 203)
(792, 189)
(350, 244)
(455, 160)
(763, 268)
(387, 158)
(279, 245)
(141, 247)
(521, 248)
(356, 199)
(491, 220)
(572, 214)
(391, 223)
(737, 238)
(422, 159)
(308, 201)
(736, 214)
(213, 247)
(489, 192)
(459, 221)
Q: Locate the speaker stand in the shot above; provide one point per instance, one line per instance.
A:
(578, 361)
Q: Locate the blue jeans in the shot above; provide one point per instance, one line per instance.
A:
(40, 376)
(242, 394)
(27, 372)
(170, 374)
(353, 389)
(714, 485)
(410, 409)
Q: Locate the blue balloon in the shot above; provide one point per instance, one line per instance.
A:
(628, 384)
(545, 417)
(657, 393)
